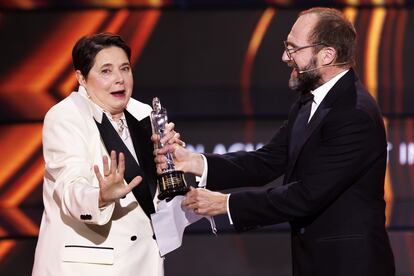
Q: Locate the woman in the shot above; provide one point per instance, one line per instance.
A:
(92, 222)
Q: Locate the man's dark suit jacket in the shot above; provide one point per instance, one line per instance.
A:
(333, 192)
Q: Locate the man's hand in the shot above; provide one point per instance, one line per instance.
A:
(111, 184)
(184, 159)
(205, 202)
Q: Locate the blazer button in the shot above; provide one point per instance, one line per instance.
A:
(302, 231)
(153, 236)
(133, 238)
(85, 217)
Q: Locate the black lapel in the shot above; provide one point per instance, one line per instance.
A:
(141, 132)
(317, 118)
(112, 141)
(325, 106)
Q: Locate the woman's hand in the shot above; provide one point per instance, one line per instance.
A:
(111, 184)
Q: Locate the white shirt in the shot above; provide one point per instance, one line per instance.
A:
(318, 96)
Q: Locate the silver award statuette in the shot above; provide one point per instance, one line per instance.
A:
(170, 182)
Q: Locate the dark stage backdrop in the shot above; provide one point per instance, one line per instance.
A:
(216, 66)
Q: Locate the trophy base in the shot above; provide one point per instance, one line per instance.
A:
(172, 184)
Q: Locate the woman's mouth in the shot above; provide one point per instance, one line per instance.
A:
(119, 93)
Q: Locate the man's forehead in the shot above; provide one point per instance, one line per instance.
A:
(301, 30)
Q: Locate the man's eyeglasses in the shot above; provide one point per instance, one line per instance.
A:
(291, 50)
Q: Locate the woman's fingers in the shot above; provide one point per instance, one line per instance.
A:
(98, 174)
(106, 171)
(121, 164)
(134, 182)
(113, 164)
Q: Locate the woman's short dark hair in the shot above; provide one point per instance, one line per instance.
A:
(86, 49)
(333, 29)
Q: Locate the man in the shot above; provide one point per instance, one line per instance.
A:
(331, 151)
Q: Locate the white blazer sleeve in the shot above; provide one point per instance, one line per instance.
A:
(70, 179)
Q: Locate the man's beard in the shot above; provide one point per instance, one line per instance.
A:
(306, 81)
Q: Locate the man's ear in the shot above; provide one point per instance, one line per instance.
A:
(81, 79)
(328, 55)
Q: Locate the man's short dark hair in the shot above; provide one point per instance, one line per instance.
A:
(87, 47)
(333, 29)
